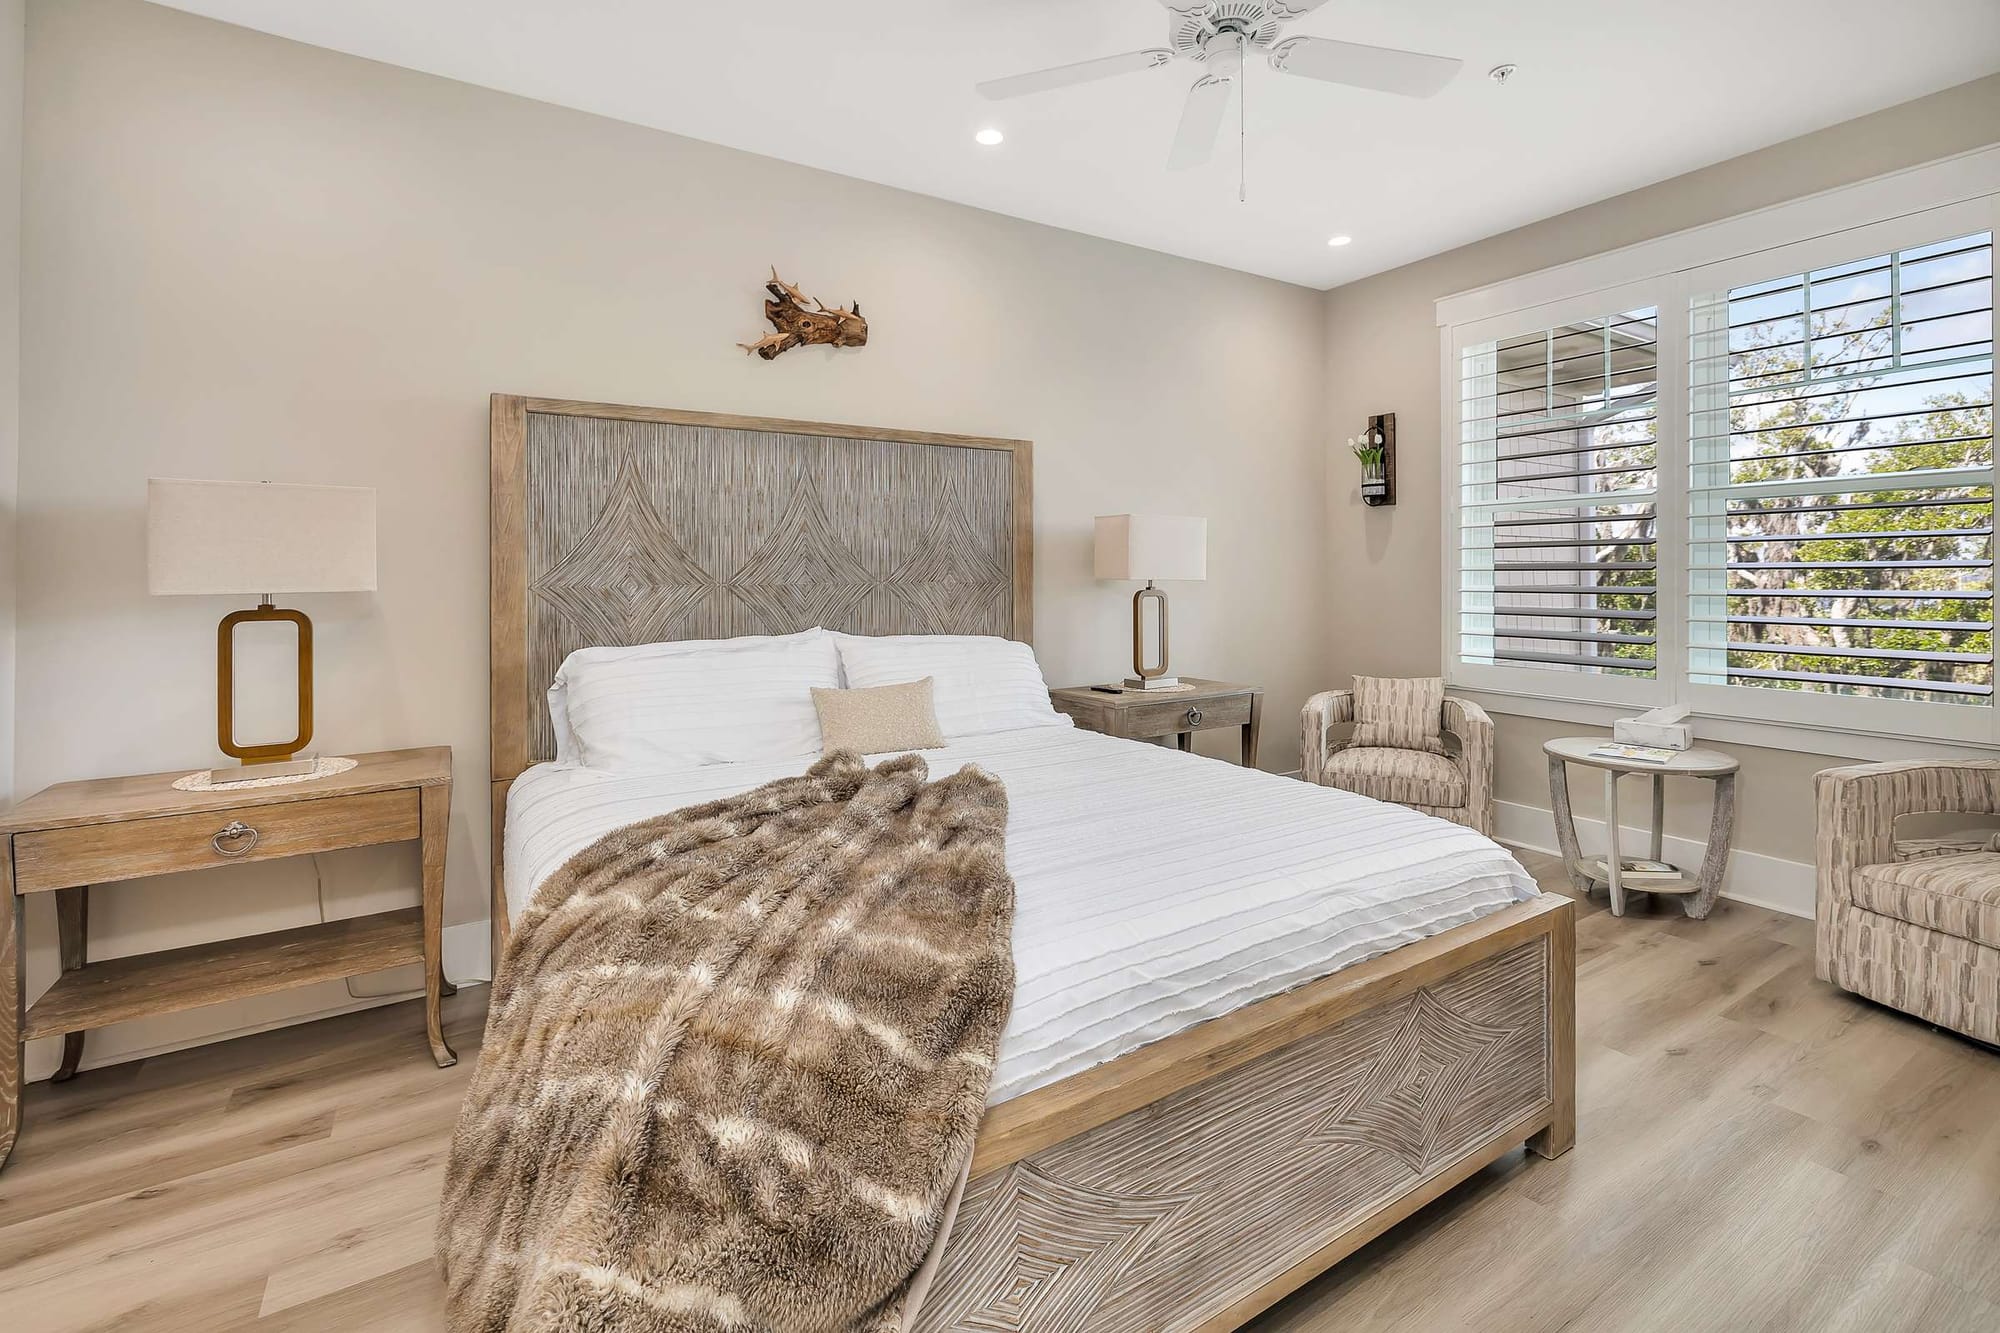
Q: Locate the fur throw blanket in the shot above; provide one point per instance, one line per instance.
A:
(734, 1063)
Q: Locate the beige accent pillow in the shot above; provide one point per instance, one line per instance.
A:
(878, 719)
(1399, 714)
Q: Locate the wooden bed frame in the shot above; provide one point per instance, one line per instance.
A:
(1186, 1185)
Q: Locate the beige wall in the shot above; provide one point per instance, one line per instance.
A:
(248, 258)
(1384, 583)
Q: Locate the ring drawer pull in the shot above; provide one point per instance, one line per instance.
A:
(235, 831)
(1194, 716)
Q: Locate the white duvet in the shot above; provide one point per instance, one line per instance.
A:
(1154, 889)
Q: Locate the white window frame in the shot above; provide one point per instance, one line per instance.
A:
(1954, 196)
(1606, 688)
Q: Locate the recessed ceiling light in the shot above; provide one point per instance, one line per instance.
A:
(990, 137)
(1338, 240)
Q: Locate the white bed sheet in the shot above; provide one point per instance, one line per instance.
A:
(1154, 889)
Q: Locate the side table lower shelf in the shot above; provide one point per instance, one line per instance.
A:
(98, 994)
(1593, 869)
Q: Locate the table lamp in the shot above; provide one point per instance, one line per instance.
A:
(1150, 547)
(252, 537)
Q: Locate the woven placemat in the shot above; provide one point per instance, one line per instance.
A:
(323, 767)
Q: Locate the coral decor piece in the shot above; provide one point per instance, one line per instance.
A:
(797, 326)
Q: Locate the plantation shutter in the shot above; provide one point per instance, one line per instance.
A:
(1558, 470)
(1841, 479)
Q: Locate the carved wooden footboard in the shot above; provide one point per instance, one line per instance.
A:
(1296, 1130)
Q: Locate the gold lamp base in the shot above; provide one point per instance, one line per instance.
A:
(264, 758)
(1145, 677)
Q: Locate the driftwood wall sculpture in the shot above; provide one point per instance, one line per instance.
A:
(797, 326)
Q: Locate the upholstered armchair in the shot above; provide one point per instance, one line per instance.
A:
(1913, 923)
(1456, 785)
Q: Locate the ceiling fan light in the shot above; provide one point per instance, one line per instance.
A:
(989, 137)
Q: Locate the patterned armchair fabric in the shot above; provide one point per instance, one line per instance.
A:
(1902, 924)
(1457, 785)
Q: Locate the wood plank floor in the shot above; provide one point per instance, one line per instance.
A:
(1755, 1151)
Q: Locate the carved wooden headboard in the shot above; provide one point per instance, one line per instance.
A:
(617, 525)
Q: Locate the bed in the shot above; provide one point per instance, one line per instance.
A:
(1256, 1021)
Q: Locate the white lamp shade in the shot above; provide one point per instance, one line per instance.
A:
(258, 537)
(1151, 546)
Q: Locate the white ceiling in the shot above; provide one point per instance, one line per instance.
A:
(1609, 96)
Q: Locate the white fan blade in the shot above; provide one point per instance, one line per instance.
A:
(1201, 121)
(1188, 8)
(1083, 71)
(1286, 10)
(1379, 67)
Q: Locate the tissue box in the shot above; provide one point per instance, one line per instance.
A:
(1633, 731)
(1662, 726)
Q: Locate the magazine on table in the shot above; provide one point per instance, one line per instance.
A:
(1637, 872)
(1637, 754)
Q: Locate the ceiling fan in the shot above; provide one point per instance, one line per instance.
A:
(1220, 34)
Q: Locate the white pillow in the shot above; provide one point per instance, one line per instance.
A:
(558, 695)
(683, 710)
(982, 684)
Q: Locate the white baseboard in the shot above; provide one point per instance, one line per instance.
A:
(1762, 881)
(465, 947)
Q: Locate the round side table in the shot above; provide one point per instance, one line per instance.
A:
(1697, 892)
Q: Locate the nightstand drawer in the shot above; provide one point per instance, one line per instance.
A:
(1168, 716)
(101, 853)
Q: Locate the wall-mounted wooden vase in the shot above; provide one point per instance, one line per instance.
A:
(1378, 484)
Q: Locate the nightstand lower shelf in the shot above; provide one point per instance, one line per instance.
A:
(99, 994)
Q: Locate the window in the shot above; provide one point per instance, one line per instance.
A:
(1558, 485)
(1841, 490)
(1762, 486)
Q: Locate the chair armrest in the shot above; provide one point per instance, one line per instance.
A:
(1469, 722)
(1322, 713)
(1857, 808)
(1473, 727)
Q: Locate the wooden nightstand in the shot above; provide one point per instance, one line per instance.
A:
(76, 834)
(1139, 716)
